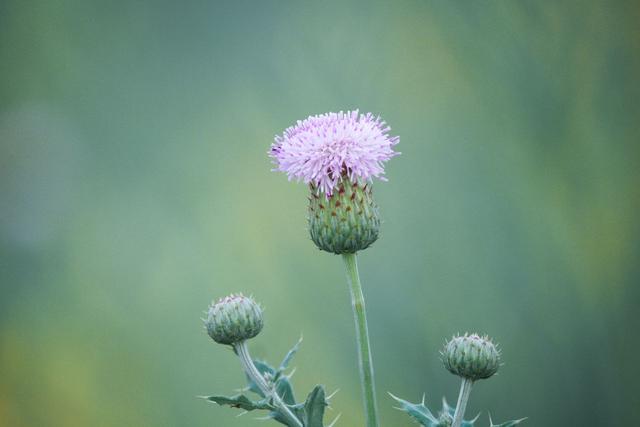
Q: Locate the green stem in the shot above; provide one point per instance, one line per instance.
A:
(362, 336)
(463, 398)
(242, 350)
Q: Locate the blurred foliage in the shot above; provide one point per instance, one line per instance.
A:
(135, 187)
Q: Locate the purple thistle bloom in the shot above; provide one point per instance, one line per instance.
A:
(320, 149)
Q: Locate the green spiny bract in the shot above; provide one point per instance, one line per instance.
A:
(345, 222)
(233, 319)
(471, 356)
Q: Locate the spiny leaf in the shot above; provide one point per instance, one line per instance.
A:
(287, 359)
(310, 413)
(298, 411)
(418, 412)
(240, 401)
(266, 370)
(451, 411)
(469, 423)
(314, 407)
(285, 390)
(506, 424)
(447, 408)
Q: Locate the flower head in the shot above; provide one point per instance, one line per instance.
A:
(233, 319)
(322, 148)
(471, 356)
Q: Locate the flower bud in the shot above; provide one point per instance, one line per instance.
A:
(471, 357)
(233, 319)
(346, 221)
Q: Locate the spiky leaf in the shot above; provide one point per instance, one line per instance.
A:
(266, 370)
(423, 415)
(508, 423)
(314, 407)
(240, 401)
(419, 412)
(285, 390)
(287, 359)
(310, 413)
(450, 411)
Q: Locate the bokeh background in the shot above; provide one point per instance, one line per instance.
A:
(135, 187)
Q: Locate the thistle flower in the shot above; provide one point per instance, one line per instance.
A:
(323, 148)
(471, 357)
(233, 319)
(338, 155)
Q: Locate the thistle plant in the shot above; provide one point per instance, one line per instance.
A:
(337, 155)
(234, 320)
(472, 358)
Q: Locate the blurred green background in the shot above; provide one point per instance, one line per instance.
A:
(135, 187)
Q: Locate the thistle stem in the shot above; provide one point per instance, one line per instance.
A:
(242, 350)
(362, 337)
(463, 398)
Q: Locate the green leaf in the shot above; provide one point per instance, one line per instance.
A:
(310, 413)
(277, 415)
(287, 359)
(446, 409)
(506, 424)
(282, 383)
(314, 407)
(423, 415)
(240, 401)
(285, 390)
(266, 370)
(418, 412)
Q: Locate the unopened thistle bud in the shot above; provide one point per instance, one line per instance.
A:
(338, 154)
(233, 319)
(471, 356)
